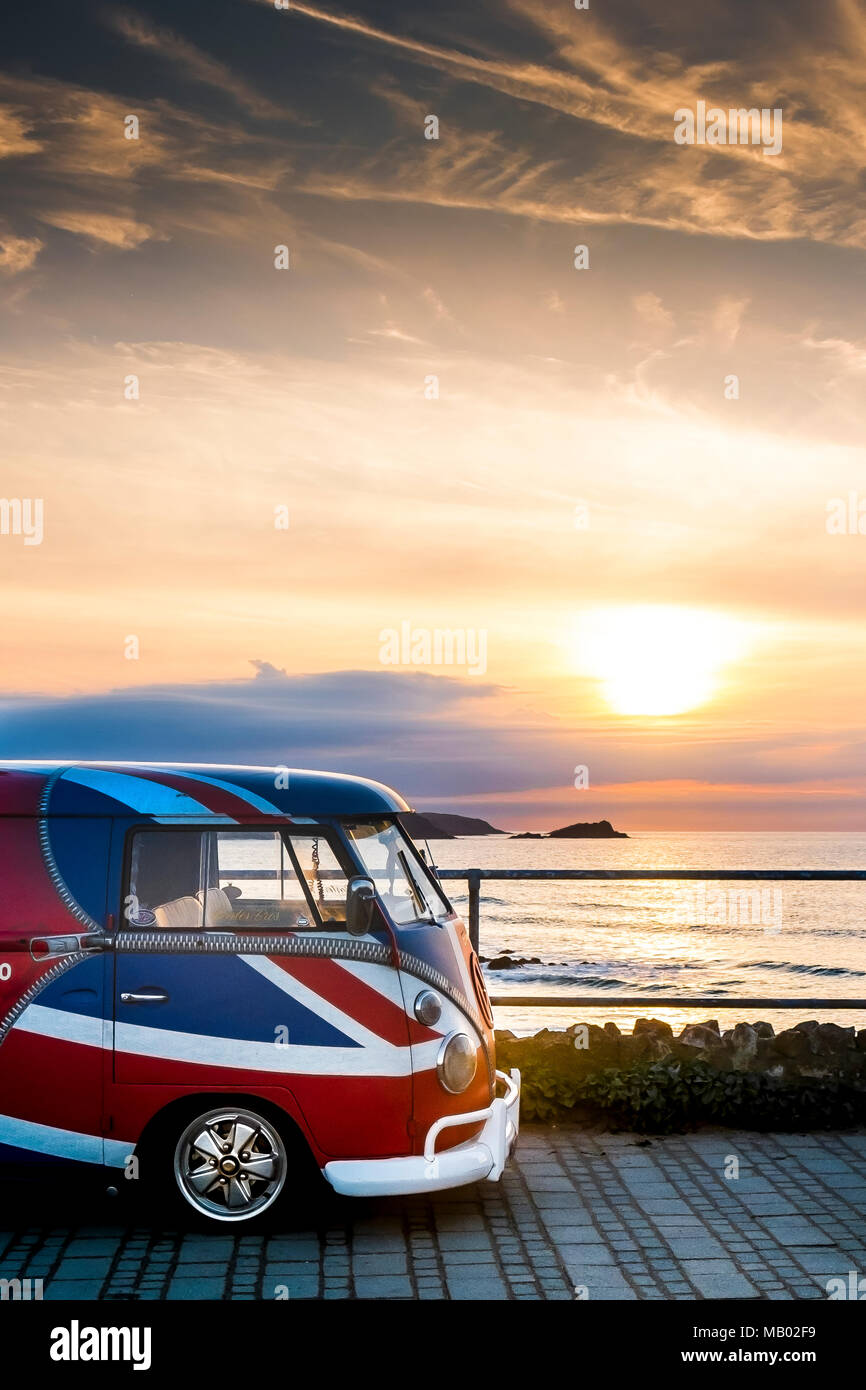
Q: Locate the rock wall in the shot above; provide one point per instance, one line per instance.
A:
(808, 1075)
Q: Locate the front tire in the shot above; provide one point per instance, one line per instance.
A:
(230, 1164)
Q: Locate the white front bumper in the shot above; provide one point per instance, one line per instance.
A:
(482, 1157)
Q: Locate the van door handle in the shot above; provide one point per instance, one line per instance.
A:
(145, 995)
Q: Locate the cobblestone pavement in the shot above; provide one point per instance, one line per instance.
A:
(595, 1216)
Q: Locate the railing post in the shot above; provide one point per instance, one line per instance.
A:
(474, 879)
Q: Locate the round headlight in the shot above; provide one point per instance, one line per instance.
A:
(428, 1007)
(457, 1062)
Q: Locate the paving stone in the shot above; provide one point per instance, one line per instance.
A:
(596, 1204)
(576, 1235)
(695, 1248)
(190, 1288)
(789, 1231)
(365, 1242)
(719, 1279)
(72, 1289)
(464, 1240)
(383, 1286)
(207, 1248)
(380, 1262)
(92, 1247)
(466, 1286)
(585, 1256)
(287, 1251)
(84, 1269)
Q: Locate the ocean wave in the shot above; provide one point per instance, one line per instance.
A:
(800, 969)
(538, 975)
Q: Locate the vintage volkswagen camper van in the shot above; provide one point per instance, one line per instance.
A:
(205, 971)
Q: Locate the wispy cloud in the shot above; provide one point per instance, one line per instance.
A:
(112, 229)
(18, 253)
(601, 81)
(196, 65)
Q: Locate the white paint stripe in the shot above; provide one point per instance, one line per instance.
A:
(460, 961)
(62, 1024)
(45, 1139)
(382, 978)
(317, 1004)
(451, 1019)
(242, 1055)
(388, 982)
(117, 1151)
(251, 798)
(378, 1059)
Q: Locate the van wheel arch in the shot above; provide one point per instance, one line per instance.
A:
(161, 1133)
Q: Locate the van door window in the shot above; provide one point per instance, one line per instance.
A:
(255, 883)
(234, 880)
(324, 875)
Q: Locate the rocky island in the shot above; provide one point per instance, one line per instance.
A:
(444, 825)
(581, 830)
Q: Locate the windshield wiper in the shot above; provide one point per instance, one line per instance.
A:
(422, 907)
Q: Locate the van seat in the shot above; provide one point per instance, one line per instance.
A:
(181, 914)
(218, 907)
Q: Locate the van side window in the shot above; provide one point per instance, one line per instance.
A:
(237, 880)
(165, 879)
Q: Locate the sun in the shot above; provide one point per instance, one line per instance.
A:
(656, 659)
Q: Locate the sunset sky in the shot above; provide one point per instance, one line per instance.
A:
(648, 560)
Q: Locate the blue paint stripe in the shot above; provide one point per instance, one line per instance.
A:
(140, 794)
(219, 997)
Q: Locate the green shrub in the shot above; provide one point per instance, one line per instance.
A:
(662, 1097)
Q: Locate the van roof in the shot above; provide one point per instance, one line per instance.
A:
(195, 790)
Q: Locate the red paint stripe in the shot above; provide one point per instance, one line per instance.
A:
(218, 801)
(28, 891)
(352, 1117)
(20, 792)
(51, 1081)
(343, 990)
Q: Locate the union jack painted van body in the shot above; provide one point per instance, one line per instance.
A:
(182, 941)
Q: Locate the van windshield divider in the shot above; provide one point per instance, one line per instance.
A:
(286, 838)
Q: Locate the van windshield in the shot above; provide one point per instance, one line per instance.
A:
(404, 886)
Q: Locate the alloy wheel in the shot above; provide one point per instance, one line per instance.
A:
(230, 1165)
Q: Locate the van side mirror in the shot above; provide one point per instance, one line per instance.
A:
(360, 899)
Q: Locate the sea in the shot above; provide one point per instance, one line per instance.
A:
(723, 940)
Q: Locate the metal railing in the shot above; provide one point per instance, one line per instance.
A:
(475, 877)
